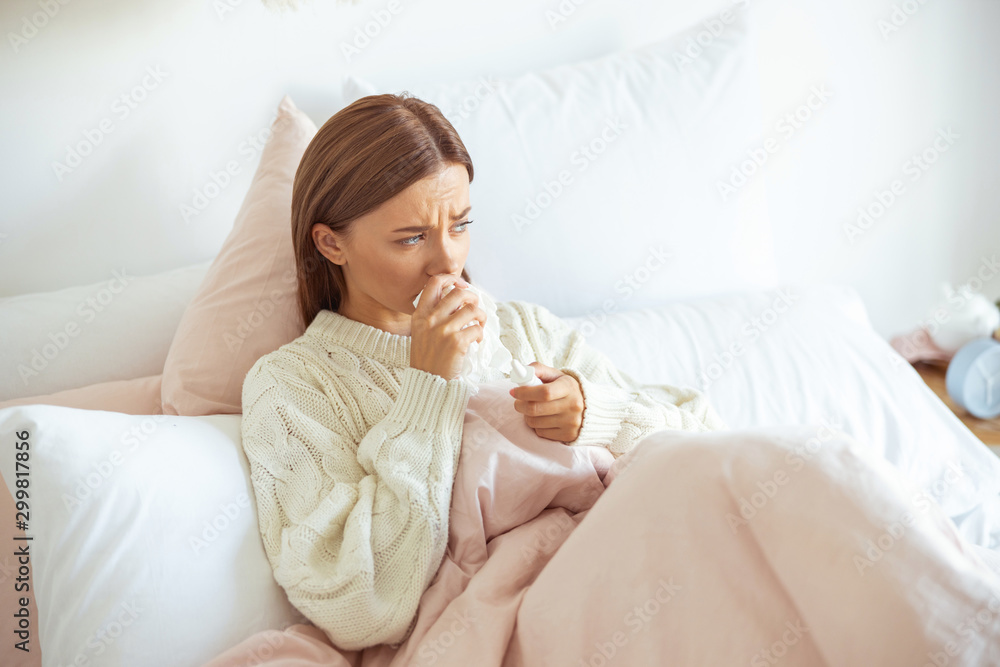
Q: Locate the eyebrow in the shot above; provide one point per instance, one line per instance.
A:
(426, 227)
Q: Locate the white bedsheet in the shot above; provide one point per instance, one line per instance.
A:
(808, 355)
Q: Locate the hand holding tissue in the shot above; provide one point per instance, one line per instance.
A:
(490, 353)
(554, 414)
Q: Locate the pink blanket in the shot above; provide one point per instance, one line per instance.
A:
(751, 546)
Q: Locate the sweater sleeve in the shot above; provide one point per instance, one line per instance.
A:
(618, 410)
(354, 532)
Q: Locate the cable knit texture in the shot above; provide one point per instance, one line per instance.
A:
(353, 455)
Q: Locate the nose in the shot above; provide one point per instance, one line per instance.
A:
(447, 257)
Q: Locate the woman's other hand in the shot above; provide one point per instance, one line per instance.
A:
(554, 409)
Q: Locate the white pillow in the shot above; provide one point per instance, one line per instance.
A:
(145, 531)
(651, 192)
(119, 329)
(803, 355)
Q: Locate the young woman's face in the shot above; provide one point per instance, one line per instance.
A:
(392, 251)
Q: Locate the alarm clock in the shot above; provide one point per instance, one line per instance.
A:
(973, 377)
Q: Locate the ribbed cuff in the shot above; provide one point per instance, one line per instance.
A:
(604, 408)
(429, 403)
(426, 403)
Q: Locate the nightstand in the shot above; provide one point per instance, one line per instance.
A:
(987, 430)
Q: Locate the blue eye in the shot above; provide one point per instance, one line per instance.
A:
(413, 239)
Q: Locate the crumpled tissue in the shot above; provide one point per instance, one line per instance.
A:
(490, 353)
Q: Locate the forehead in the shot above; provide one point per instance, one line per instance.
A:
(445, 193)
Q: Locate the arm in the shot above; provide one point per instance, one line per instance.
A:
(354, 532)
(618, 412)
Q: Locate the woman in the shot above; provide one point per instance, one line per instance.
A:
(353, 430)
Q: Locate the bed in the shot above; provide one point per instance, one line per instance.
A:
(144, 544)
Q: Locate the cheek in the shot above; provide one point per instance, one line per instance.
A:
(396, 271)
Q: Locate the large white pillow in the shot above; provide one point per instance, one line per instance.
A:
(808, 354)
(640, 218)
(119, 329)
(145, 546)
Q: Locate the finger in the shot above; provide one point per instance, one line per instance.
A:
(434, 287)
(456, 304)
(543, 408)
(557, 434)
(470, 314)
(547, 391)
(560, 421)
(473, 333)
(465, 319)
(546, 373)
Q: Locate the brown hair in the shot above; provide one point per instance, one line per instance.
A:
(364, 155)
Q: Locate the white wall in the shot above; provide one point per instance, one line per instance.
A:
(224, 72)
(891, 94)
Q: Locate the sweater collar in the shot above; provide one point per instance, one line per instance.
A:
(364, 339)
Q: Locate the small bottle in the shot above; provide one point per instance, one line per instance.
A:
(523, 375)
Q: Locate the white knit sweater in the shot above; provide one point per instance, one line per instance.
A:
(353, 454)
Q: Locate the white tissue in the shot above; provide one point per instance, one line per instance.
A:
(490, 353)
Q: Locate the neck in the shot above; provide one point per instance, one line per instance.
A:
(375, 315)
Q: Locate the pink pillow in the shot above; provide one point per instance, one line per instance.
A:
(247, 304)
(140, 396)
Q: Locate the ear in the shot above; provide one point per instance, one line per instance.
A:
(328, 244)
